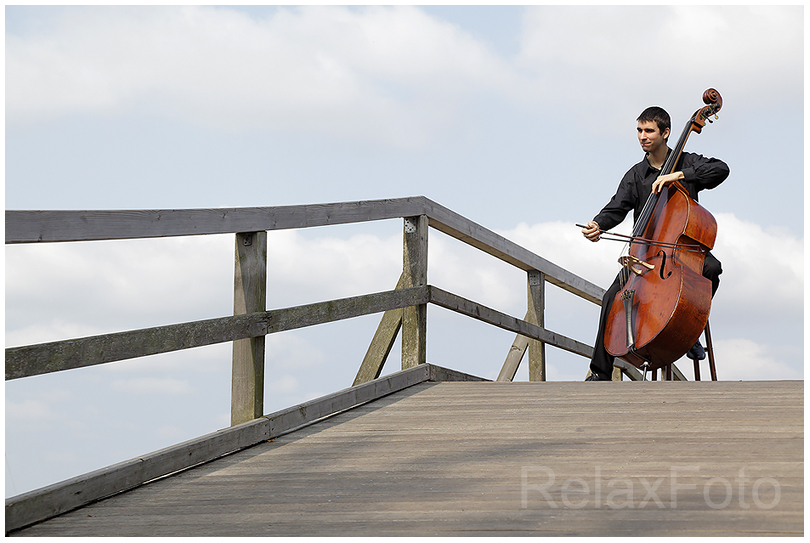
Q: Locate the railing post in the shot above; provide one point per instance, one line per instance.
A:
(250, 296)
(414, 271)
(536, 315)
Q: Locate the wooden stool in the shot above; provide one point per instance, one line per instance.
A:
(666, 372)
(710, 351)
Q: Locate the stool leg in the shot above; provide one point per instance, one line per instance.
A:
(710, 349)
(697, 370)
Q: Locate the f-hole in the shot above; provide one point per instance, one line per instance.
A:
(663, 256)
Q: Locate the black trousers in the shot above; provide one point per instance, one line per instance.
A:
(602, 361)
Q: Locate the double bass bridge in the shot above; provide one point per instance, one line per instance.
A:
(632, 263)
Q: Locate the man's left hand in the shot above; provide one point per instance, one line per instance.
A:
(665, 180)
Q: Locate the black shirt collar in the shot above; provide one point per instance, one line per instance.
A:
(649, 167)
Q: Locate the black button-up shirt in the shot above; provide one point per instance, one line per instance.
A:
(699, 173)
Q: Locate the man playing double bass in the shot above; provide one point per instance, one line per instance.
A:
(695, 173)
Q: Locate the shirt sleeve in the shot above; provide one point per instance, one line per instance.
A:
(702, 172)
(619, 206)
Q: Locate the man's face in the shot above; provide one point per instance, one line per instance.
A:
(650, 137)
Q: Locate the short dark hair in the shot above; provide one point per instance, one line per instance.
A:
(657, 114)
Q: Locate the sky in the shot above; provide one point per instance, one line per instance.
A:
(520, 118)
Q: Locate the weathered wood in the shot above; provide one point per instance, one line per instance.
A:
(461, 228)
(536, 290)
(635, 375)
(69, 354)
(501, 320)
(710, 352)
(58, 498)
(77, 353)
(514, 356)
(414, 274)
(677, 375)
(381, 344)
(473, 459)
(249, 296)
(441, 374)
(57, 226)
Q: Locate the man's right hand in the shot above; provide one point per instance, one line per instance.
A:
(592, 231)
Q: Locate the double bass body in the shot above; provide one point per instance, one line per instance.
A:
(666, 303)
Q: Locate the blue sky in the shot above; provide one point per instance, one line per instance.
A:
(520, 118)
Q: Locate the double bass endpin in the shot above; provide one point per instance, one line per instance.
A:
(644, 367)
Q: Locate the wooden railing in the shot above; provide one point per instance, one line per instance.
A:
(403, 308)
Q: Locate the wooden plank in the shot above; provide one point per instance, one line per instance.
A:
(381, 343)
(24, 226)
(414, 274)
(514, 356)
(536, 295)
(250, 296)
(58, 498)
(501, 320)
(77, 353)
(473, 459)
(439, 373)
(68, 354)
(461, 228)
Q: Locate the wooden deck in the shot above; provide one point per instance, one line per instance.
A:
(484, 458)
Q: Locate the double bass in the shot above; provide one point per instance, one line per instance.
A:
(664, 304)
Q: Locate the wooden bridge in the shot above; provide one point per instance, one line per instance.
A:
(426, 450)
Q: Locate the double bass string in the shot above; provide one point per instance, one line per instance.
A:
(644, 241)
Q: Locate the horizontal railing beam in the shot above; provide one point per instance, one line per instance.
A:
(471, 233)
(62, 226)
(475, 310)
(44, 358)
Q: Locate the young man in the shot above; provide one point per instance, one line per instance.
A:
(695, 173)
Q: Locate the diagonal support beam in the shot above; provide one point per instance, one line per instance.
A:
(381, 343)
(513, 359)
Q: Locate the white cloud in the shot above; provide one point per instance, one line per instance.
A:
(54, 330)
(747, 360)
(603, 61)
(171, 433)
(308, 269)
(380, 72)
(284, 384)
(763, 270)
(563, 244)
(393, 74)
(28, 410)
(101, 287)
(614, 44)
(153, 385)
(286, 351)
(329, 267)
(750, 255)
(761, 291)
